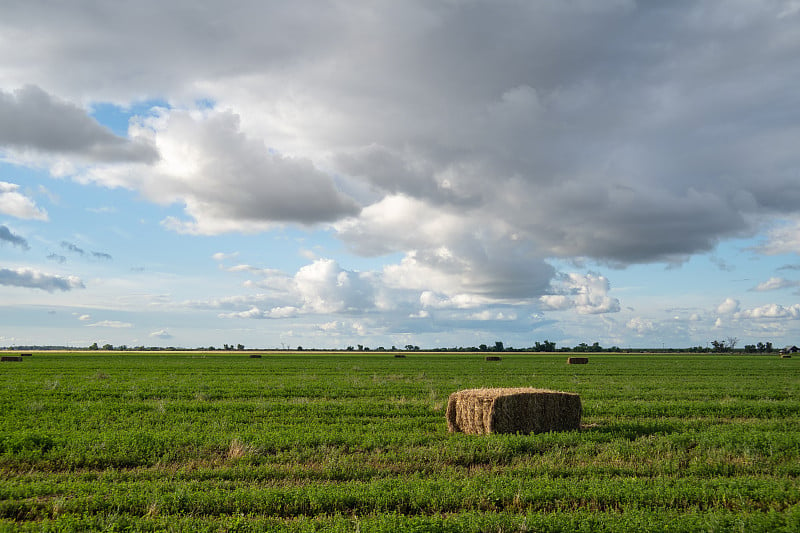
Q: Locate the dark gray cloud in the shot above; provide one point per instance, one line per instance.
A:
(7, 236)
(102, 255)
(621, 131)
(57, 258)
(72, 248)
(33, 279)
(31, 119)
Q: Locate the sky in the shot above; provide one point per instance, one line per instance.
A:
(437, 173)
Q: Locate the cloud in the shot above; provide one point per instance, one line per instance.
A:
(34, 279)
(72, 248)
(17, 205)
(57, 258)
(226, 180)
(640, 325)
(774, 284)
(102, 255)
(31, 119)
(7, 236)
(161, 334)
(783, 238)
(110, 324)
(771, 311)
(730, 305)
(587, 294)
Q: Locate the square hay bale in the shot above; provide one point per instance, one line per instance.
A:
(25, 354)
(399, 355)
(786, 356)
(255, 356)
(577, 360)
(512, 410)
(493, 358)
(11, 358)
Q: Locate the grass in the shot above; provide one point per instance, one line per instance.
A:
(344, 442)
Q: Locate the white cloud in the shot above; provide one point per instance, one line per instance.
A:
(18, 205)
(640, 325)
(774, 284)
(226, 180)
(161, 334)
(729, 306)
(771, 311)
(587, 294)
(116, 324)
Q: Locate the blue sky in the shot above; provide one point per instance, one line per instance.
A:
(427, 173)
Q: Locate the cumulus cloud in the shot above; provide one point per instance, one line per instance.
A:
(226, 180)
(730, 305)
(771, 311)
(161, 334)
(18, 205)
(640, 325)
(34, 279)
(7, 236)
(587, 294)
(775, 283)
(31, 119)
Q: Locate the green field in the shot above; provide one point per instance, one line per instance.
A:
(350, 442)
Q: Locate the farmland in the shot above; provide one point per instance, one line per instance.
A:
(345, 442)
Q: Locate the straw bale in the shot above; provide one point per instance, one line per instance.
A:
(25, 354)
(577, 360)
(512, 410)
(786, 356)
(10, 358)
(493, 358)
(255, 356)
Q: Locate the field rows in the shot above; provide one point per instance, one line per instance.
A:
(344, 442)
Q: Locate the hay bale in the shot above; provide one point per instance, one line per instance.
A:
(399, 355)
(786, 356)
(255, 356)
(10, 358)
(493, 358)
(512, 410)
(25, 354)
(577, 360)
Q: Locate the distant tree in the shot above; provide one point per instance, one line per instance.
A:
(350, 348)
(582, 347)
(108, 347)
(299, 348)
(360, 347)
(240, 346)
(545, 346)
(498, 346)
(732, 342)
(483, 347)
(94, 346)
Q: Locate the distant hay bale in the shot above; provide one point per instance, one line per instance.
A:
(493, 358)
(255, 356)
(399, 355)
(577, 360)
(10, 358)
(786, 356)
(25, 354)
(512, 410)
